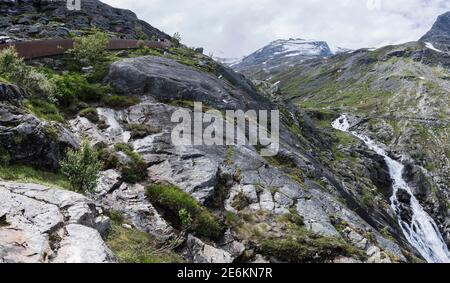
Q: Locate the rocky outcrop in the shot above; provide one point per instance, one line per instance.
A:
(439, 35)
(199, 252)
(41, 225)
(130, 200)
(167, 80)
(11, 93)
(28, 19)
(29, 140)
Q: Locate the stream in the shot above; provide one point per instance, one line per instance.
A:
(422, 233)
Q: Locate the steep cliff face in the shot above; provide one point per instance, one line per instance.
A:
(439, 35)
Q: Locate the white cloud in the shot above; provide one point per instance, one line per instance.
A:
(239, 27)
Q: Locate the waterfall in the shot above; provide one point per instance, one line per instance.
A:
(422, 233)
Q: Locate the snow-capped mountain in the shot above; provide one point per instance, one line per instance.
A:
(228, 61)
(282, 54)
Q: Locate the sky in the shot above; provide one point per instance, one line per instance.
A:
(235, 28)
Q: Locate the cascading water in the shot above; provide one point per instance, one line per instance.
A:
(422, 232)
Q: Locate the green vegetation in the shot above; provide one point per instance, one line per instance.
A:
(14, 70)
(176, 39)
(91, 114)
(135, 246)
(27, 174)
(74, 87)
(82, 168)
(135, 170)
(90, 48)
(108, 158)
(44, 110)
(175, 203)
(287, 239)
(119, 101)
(139, 131)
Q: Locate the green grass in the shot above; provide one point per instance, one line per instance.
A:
(119, 102)
(172, 200)
(26, 174)
(91, 114)
(286, 239)
(135, 246)
(140, 131)
(44, 110)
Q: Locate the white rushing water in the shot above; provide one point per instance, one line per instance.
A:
(422, 232)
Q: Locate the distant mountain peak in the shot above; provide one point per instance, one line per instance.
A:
(281, 54)
(439, 35)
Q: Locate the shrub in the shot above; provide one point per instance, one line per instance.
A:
(82, 168)
(90, 114)
(91, 47)
(134, 171)
(108, 158)
(140, 131)
(74, 87)
(14, 70)
(176, 38)
(184, 209)
(118, 101)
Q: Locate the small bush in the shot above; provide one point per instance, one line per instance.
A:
(108, 158)
(180, 206)
(74, 87)
(120, 102)
(91, 47)
(14, 70)
(134, 171)
(140, 131)
(90, 114)
(82, 168)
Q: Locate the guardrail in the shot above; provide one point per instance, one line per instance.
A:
(45, 48)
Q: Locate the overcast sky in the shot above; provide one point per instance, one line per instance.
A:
(233, 28)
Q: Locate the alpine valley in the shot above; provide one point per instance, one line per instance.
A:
(362, 175)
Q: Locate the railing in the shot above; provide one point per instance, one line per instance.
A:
(45, 48)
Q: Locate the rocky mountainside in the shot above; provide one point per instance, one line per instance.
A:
(326, 196)
(439, 35)
(28, 19)
(401, 94)
(280, 55)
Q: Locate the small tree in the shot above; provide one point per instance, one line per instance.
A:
(82, 168)
(176, 39)
(91, 47)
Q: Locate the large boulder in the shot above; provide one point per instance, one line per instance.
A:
(167, 80)
(41, 225)
(28, 140)
(11, 93)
